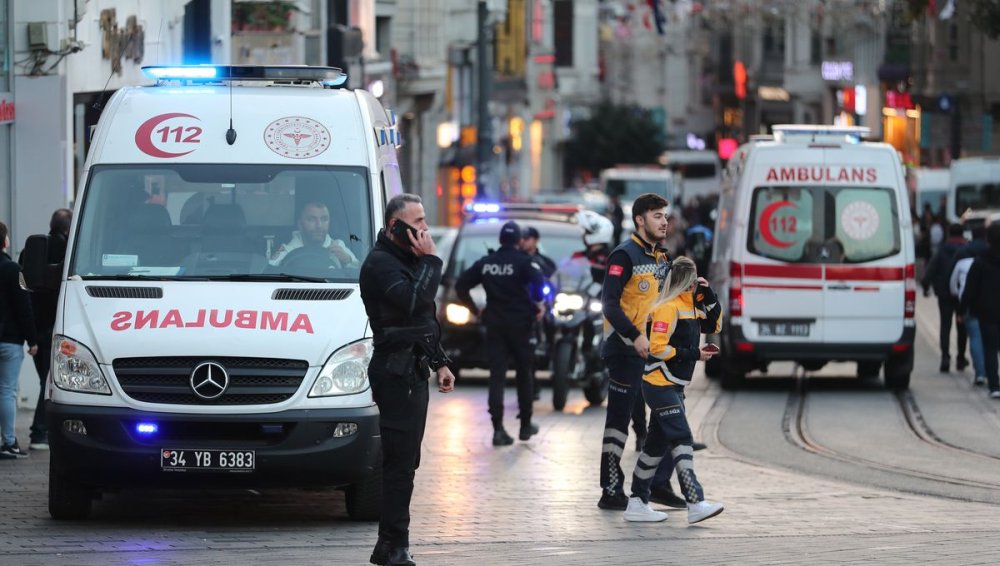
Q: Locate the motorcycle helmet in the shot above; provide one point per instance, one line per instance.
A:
(596, 228)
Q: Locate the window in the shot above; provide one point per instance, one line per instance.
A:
(4, 46)
(976, 197)
(824, 224)
(629, 189)
(216, 221)
(562, 37)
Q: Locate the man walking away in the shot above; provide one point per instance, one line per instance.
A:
(399, 279)
(938, 275)
(513, 285)
(17, 326)
(981, 299)
(635, 270)
(43, 305)
(963, 262)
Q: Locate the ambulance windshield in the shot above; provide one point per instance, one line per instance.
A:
(815, 224)
(224, 221)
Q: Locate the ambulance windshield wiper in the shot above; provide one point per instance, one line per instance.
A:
(268, 277)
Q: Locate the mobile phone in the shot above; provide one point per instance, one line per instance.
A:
(400, 228)
(711, 348)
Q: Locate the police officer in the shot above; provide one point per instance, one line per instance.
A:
(513, 285)
(399, 279)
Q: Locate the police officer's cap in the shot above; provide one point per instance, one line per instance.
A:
(510, 233)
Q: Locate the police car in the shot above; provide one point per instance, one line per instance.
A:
(463, 336)
(814, 252)
(210, 329)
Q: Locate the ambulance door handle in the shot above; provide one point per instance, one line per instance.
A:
(839, 287)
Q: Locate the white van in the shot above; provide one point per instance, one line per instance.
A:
(630, 181)
(975, 185)
(815, 255)
(699, 172)
(929, 187)
(210, 329)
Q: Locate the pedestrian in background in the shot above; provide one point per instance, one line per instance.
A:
(959, 272)
(635, 270)
(686, 308)
(617, 214)
(43, 305)
(399, 280)
(513, 283)
(17, 326)
(981, 299)
(938, 277)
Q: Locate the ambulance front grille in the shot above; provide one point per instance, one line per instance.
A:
(311, 294)
(113, 292)
(167, 380)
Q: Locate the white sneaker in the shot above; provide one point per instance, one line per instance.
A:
(995, 394)
(980, 380)
(638, 511)
(698, 512)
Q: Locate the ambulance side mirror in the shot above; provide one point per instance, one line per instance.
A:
(38, 272)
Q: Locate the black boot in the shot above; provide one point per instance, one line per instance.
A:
(664, 495)
(400, 556)
(501, 438)
(380, 554)
(527, 430)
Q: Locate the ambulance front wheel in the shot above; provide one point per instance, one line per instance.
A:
(364, 499)
(67, 500)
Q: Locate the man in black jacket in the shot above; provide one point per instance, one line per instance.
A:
(513, 285)
(938, 275)
(43, 303)
(399, 280)
(17, 326)
(980, 297)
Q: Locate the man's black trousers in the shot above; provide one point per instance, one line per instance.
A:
(506, 343)
(402, 405)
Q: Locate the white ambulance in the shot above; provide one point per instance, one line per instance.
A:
(210, 329)
(814, 254)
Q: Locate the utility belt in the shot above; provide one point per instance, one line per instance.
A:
(407, 348)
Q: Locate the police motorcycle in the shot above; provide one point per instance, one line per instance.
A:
(578, 319)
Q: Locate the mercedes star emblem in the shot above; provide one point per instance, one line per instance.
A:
(209, 380)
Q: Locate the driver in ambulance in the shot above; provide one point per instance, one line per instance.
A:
(314, 231)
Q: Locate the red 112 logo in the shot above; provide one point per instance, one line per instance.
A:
(169, 135)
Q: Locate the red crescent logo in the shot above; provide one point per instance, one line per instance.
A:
(144, 135)
(765, 223)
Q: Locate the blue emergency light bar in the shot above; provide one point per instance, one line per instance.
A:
(326, 76)
(500, 208)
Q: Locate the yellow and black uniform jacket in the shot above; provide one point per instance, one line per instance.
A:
(631, 284)
(675, 333)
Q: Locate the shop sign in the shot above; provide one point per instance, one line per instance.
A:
(6, 108)
(837, 71)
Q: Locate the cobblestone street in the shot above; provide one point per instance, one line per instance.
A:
(530, 503)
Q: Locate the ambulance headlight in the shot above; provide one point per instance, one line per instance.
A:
(74, 368)
(346, 372)
(568, 302)
(457, 314)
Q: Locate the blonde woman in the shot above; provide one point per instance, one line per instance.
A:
(686, 308)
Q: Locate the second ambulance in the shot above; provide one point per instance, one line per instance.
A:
(815, 255)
